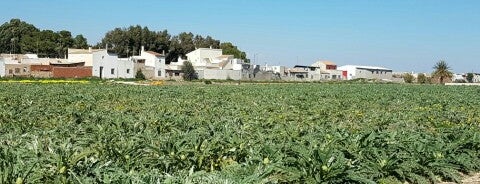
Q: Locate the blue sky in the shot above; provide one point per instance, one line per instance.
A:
(404, 35)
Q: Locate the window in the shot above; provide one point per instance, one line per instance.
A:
(103, 57)
(159, 73)
(377, 72)
(24, 69)
(128, 71)
(177, 74)
(112, 71)
(17, 70)
(10, 71)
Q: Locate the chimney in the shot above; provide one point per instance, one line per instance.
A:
(211, 47)
(163, 52)
(143, 49)
(89, 49)
(106, 46)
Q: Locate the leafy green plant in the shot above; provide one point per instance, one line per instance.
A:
(312, 133)
(139, 75)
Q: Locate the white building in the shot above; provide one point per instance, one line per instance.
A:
(476, 77)
(279, 70)
(212, 64)
(30, 59)
(366, 72)
(82, 55)
(104, 65)
(320, 70)
(108, 66)
(155, 66)
(2, 68)
(204, 57)
(459, 77)
(328, 70)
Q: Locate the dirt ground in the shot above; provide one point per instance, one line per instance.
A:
(474, 179)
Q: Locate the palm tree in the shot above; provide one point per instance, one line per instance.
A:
(442, 71)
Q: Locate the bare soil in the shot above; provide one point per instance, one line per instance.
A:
(473, 179)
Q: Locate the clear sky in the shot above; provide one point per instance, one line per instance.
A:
(404, 35)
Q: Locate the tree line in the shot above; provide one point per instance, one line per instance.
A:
(17, 36)
(128, 41)
(441, 74)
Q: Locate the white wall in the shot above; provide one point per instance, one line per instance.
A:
(476, 78)
(156, 62)
(198, 57)
(160, 66)
(335, 74)
(40, 61)
(275, 69)
(351, 71)
(149, 58)
(366, 72)
(112, 66)
(237, 64)
(76, 58)
(320, 64)
(220, 74)
(125, 69)
(82, 55)
(2, 68)
(457, 77)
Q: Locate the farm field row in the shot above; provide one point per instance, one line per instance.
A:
(294, 133)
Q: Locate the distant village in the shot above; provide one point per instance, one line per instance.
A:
(209, 64)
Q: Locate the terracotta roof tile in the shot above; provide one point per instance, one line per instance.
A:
(154, 53)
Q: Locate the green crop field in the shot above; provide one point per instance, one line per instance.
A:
(249, 133)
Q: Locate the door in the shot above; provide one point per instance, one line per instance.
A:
(101, 71)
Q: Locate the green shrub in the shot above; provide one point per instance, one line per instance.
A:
(139, 75)
(408, 78)
(188, 71)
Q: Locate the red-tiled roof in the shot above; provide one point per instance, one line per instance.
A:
(154, 53)
(328, 63)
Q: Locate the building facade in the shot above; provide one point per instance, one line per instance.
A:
(151, 64)
(109, 66)
(366, 72)
(2, 68)
(328, 70)
(82, 55)
(476, 78)
(212, 64)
